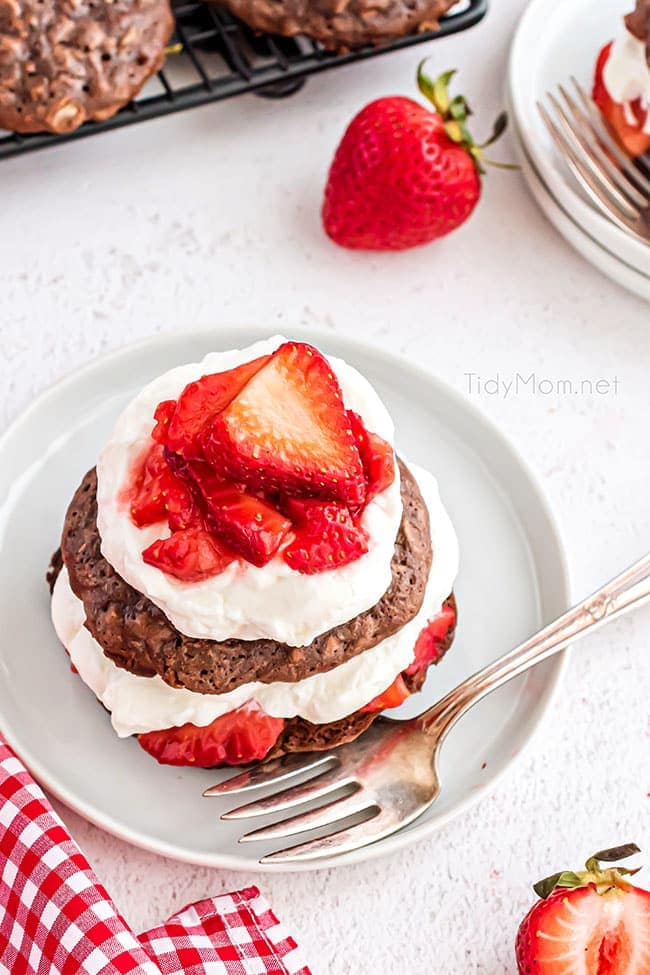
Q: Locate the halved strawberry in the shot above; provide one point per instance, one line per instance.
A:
(191, 555)
(244, 735)
(592, 922)
(198, 404)
(395, 695)
(154, 488)
(326, 537)
(287, 431)
(247, 525)
(376, 455)
(627, 121)
(428, 648)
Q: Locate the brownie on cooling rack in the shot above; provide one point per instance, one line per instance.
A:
(63, 62)
(341, 24)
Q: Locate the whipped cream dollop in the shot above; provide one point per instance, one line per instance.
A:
(141, 704)
(245, 602)
(626, 74)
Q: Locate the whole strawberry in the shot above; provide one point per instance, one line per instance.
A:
(403, 174)
(589, 923)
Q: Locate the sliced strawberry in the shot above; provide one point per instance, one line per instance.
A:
(376, 455)
(145, 492)
(287, 431)
(162, 416)
(627, 121)
(429, 645)
(395, 695)
(326, 537)
(244, 735)
(592, 922)
(200, 401)
(247, 525)
(190, 555)
(582, 932)
(428, 650)
(182, 512)
(154, 484)
(199, 478)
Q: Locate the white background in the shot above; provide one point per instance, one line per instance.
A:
(212, 216)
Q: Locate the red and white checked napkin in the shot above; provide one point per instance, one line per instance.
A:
(57, 919)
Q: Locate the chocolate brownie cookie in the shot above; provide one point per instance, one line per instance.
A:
(299, 735)
(341, 24)
(65, 61)
(137, 635)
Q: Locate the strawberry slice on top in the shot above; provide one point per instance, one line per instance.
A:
(288, 432)
(326, 537)
(190, 555)
(376, 456)
(154, 491)
(259, 461)
(179, 424)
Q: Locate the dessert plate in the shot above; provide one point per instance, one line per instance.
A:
(554, 41)
(513, 578)
(576, 234)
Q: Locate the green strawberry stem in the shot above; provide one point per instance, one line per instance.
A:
(603, 879)
(454, 113)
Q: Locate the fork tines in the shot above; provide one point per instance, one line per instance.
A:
(616, 184)
(327, 783)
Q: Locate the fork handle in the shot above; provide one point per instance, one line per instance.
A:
(626, 591)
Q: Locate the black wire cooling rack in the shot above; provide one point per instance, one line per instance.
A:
(221, 57)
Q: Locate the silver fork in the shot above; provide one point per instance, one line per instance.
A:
(390, 773)
(618, 186)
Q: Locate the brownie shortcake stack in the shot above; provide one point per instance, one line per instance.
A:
(621, 86)
(250, 569)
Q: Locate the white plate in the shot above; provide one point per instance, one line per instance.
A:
(554, 41)
(583, 242)
(513, 578)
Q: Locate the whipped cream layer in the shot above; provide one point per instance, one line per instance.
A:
(245, 602)
(141, 704)
(626, 74)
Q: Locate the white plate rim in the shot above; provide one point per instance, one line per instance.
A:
(581, 212)
(624, 274)
(418, 831)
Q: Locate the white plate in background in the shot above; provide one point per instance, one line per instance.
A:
(590, 248)
(553, 41)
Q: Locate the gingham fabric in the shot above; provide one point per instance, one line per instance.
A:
(57, 919)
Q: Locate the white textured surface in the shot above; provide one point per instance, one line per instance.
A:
(213, 216)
